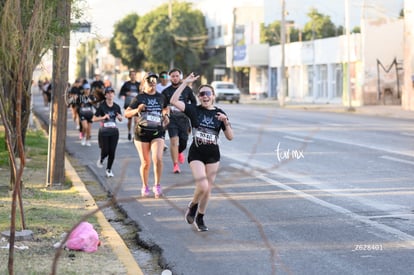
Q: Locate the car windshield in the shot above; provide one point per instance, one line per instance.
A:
(225, 86)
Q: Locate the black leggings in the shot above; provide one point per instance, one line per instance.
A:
(108, 147)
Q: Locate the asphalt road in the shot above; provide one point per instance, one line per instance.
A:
(298, 192)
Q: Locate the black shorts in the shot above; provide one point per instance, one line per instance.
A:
(204, 153)
(179, 126)
(86, 116)
(144, 135)
(127, 101)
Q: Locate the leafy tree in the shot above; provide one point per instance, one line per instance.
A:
(85, 55)
(356, 29)
(29, 28)
(124, 44)
(401, 15)
(319, 26)
(176, 42)
(271, 33)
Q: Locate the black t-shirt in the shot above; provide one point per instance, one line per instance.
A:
(108, 126)
(97, 84)
(129, 90)
(85, 105)
(151, 117)
(206, 126)
(187, 96)
(75, 91)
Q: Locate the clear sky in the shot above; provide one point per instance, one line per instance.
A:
(103, 14)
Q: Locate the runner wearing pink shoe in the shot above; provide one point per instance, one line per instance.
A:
(179, 127)
(151, 113)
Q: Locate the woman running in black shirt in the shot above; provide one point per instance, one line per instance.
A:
(107, 114)
(152, 115)
(204, 154)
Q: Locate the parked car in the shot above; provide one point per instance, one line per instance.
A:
(226, 91)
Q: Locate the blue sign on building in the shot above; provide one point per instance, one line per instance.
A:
(239, 53)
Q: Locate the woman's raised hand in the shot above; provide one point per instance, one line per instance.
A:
(191, 78)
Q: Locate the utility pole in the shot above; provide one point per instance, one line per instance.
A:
(283, 83)
(233, 45)
(348, 50)
(170, 18)
(58, 110)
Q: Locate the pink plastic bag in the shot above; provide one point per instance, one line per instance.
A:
(83, 238)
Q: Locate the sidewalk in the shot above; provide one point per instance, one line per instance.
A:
(393, 111)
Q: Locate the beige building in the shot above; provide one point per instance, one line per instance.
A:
(408, 91)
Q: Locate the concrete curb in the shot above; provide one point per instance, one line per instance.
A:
(111, 235)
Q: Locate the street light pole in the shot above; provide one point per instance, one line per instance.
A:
(282, 66)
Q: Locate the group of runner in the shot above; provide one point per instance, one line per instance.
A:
(156, 105)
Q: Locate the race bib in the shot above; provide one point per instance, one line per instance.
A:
(206, 138)
(86, 109)
(109, 124)
(154, 119)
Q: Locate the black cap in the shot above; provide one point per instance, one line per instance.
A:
(150, 74)
(109, 89)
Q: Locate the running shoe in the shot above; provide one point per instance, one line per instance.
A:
(80, 135)
(157, 191)
(129, 136)
(191, 212)
(88, 143)
(83, 142)
(199, 223)
(181, 157)
(145, 192)
(176, 169)
(109, 173)
(99, 163)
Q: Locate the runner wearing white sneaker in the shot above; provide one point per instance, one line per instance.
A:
(204, 154)
(85, 113)
(107, 114)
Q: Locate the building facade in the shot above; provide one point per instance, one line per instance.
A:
(408, 90)
(316, 71)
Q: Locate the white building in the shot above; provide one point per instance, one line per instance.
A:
(316, 70)
(408, 91)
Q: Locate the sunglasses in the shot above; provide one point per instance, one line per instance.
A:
(203, 93)
(152, 79)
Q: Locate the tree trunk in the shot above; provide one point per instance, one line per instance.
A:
(58, 117)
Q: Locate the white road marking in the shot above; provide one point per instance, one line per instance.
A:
(336, 208)
(332, 124)
(299, 139)
(397, 160)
